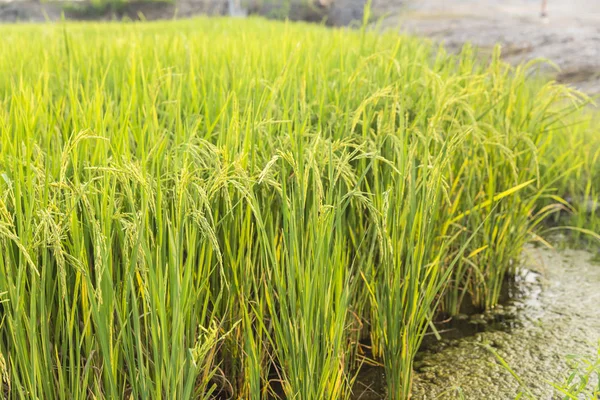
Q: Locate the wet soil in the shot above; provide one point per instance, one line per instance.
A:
(554, 312)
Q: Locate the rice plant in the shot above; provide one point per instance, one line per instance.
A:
(238, 209)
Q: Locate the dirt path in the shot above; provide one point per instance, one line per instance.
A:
(554, 312)
(569, 37)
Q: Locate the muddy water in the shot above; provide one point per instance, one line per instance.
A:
(554, 312)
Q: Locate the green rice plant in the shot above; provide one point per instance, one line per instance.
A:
(227, 208)
(409, 276)
(582, 378)
(581, 187)
(498, 184)
(308, 290)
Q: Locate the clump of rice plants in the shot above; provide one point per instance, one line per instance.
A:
(237, 209)
(581, 187)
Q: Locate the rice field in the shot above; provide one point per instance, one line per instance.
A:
(245, 209)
